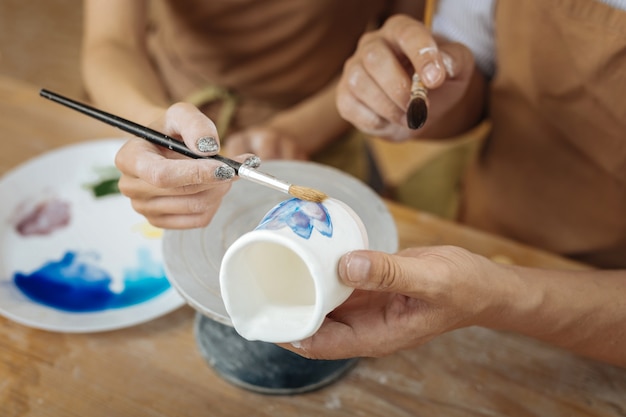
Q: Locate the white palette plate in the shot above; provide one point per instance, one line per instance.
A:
(192, 258)
(72, 261)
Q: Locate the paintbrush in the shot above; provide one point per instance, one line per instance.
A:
(160, 139)
(417, 112)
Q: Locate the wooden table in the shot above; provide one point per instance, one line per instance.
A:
(155, 369)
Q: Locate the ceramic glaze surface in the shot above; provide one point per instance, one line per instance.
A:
(193, 257)
(280, 280)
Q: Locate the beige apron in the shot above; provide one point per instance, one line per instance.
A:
(349, 152)
(243, 61)
(553, 172)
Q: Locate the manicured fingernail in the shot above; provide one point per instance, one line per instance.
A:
(224, 172)
(252, 161)
(448, 64)
(357, 268)
(207, 144)
(431, 73)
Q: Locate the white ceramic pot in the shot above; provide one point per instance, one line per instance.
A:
(280, 280)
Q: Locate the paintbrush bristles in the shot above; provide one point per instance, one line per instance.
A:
(307, 194)
(417, 113)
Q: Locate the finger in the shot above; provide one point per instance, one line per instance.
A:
(138, 159)
(199, 203)
(136, 188)
(369, 121)
(271, 144)
(290, 150)
(457, 59)
(179, 222)
(360, 115)
(235, 144)
(175, 178)
(185, 121)
(378, 271)
(411, 39)
(334, 340)
(249, 141)
(135, 148)
(385, 96)
(249, 159)
(264, 142)
(462, 80)
(369, 335)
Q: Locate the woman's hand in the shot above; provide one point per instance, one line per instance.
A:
(171, 190)
(374, 90)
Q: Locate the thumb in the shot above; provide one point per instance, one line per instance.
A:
(376, 271)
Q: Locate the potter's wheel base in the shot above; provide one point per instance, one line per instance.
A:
(262, 367)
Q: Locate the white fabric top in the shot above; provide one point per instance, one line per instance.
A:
(471, 22)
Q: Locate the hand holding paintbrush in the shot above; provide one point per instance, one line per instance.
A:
(374, 92)
(241, 169)
(417, 112)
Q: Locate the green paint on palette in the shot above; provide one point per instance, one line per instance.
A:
(105, 187)
(107, 183)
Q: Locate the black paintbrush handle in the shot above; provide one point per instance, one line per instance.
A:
(133, 128)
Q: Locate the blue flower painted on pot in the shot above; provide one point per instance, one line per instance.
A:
(301, 216)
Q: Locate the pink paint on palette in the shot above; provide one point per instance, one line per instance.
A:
(52, 214)
(46, 217)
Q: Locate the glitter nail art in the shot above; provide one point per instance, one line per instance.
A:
(253, 162)
(207, 144)
(224, 172)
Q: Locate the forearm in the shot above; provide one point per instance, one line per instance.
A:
(116, 69)
(118, 81)
(314, 122)
(582, 311)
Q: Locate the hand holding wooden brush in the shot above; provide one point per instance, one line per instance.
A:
(417, 112)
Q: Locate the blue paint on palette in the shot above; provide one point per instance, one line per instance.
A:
(299, 215)
(76, 284)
